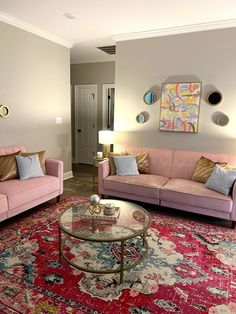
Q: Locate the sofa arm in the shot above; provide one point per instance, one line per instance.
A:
(103, 169)
(233, 213)
(55, 168)
(103, 172)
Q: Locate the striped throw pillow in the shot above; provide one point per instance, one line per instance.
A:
(8, 167)
(142, 160)
(205, 168)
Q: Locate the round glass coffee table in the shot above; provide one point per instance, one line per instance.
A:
(130, 222)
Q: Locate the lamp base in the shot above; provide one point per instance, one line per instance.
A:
(106, 149)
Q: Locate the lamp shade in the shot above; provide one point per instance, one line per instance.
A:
(106, 137)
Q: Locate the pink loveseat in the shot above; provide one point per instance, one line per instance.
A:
(17, 195)
(170, 183)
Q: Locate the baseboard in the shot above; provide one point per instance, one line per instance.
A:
(68, 175)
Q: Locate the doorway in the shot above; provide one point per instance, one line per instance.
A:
(85, 123)
(108, 107)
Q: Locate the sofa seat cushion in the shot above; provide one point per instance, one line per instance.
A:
(143, 185)
(194, 193)
(21, 192)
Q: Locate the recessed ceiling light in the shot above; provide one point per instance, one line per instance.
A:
(70, 16)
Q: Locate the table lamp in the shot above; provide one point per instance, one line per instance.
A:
(106, 138)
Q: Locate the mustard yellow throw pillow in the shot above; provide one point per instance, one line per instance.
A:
(111, 161)
(204, 169)
(8, 167)
(41, 158)
(229, 167)
(142, 160)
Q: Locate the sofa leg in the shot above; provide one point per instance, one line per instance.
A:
(58, 198)
(233, 224)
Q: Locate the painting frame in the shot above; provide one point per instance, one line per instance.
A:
(180, 107)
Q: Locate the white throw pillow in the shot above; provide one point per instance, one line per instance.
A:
(221, 180)
(29, 167)
(126, 165)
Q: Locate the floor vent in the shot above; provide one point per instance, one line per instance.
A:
(111, 50)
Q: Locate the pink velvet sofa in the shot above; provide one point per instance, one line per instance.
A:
(169, 183)
(17, 195)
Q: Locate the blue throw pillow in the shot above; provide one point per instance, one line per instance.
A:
(221, 180)
(29, 167)
(126, 165)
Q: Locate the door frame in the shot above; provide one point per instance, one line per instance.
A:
(76, 88)
(104, 99)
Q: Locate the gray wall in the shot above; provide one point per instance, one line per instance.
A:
(92, 73)
(35, 84)
(208, 57)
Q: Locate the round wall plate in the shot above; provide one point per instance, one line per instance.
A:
(222, 120)
(140, 118)
(4, 111)
(214, 98)
(149, 97)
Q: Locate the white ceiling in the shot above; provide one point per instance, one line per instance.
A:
(102, 22)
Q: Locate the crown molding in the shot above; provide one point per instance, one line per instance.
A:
(34, 30)
(176, 30)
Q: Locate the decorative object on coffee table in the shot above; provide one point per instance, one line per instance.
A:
(94, 200)
(109, 209)
(138, 216)
(111, 214)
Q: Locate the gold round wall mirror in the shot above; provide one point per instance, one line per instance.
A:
(4, 111)
(214, 98)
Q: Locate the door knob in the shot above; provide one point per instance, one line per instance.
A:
(79, 130)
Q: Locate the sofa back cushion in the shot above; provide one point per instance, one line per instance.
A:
(160, 160)
(7, 150)
(184, 162)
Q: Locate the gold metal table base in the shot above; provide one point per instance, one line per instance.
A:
(120, 270)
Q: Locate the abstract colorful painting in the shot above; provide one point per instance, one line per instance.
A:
(180, 103)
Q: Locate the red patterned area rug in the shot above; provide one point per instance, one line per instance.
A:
(190, 268)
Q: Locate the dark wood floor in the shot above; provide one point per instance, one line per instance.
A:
(82, 184)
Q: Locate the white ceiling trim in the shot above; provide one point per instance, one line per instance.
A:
(176, 30)
(34, 30)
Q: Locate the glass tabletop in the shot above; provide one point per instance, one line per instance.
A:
(129, 221)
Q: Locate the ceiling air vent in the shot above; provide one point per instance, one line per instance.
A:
(111, 50)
